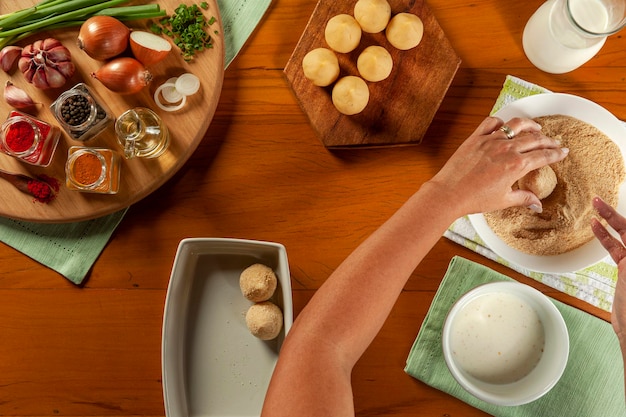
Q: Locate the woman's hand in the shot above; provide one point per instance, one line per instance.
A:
(616, 249)
(480, 175)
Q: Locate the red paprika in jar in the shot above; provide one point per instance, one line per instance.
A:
(29, 139)
(20, 136)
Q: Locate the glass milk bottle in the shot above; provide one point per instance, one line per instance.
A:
(564, 34)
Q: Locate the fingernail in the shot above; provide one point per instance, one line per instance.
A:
(565, 150)
(536, 208)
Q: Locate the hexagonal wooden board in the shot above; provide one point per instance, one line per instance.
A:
(402, 106)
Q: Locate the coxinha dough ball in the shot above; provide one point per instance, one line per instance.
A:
(343, 33)
(374, 63)
(321, 66)
(258, 282)
(540, 182)
(264, 320)
(350, 95)
(372, 15)
(405, 31)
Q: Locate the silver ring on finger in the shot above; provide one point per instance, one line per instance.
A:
(510, 134)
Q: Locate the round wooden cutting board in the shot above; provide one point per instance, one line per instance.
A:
(139, 177)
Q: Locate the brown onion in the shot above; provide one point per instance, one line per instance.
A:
(46, 64)
(123, 75)
(148, 48)
(103, 37)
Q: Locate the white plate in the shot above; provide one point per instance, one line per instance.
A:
(587, 111)
(212, 365)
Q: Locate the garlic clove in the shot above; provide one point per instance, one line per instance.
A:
(53, 78)
(16, 97)
(8, 57)
(66, 68)
(39, 79)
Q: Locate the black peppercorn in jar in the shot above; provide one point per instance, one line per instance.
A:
(77, 110)
(80, 113)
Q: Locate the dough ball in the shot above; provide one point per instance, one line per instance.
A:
(540, 182)
(258, 282)
(374, 63)
(405, 31)
(321, 66)
(350, 95)
(264, 320)
(343, 33)
(372, 15)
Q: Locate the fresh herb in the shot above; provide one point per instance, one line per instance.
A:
(56, 14)
(187, 28)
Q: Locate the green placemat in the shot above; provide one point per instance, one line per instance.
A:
(239, 18)
(71, 249)
(594, 285)
(592, 384)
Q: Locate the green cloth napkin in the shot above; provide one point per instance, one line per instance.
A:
(594, 285)
(591, 386)
(239, 18)
(72, 248)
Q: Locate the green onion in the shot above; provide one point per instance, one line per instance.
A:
(187, 29)
(54, 14)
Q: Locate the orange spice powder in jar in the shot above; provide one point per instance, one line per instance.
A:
(92, 170)
(87, 169)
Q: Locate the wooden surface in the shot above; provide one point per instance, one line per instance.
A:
(139, 177)
(261, 172)
(401, 107)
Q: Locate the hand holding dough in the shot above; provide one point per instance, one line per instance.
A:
(540, 182)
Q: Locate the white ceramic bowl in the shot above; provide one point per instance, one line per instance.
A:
(587, 111)
(487, 374)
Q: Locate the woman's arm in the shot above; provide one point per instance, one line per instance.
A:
(312, 377)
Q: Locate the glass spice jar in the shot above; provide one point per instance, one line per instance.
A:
(28, 139)
(95, 170)
(80, 113)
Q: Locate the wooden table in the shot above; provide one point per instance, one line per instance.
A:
(261, 173)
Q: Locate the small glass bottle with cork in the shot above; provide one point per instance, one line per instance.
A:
(94, 170)
(80, 112)
(28, 139)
